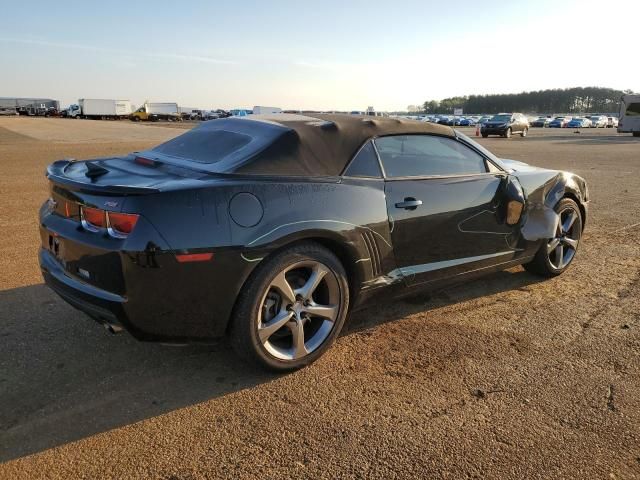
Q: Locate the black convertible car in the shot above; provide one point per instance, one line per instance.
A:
(269, 229)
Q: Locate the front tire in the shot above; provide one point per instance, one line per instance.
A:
(556, 254)
(524, 132)
(507, 133)
(291, 309)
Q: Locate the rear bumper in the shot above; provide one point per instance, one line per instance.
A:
(104, 307)
(138, 283)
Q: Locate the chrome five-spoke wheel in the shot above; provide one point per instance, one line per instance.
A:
(299, 310)
(562, 248)
(292, 307)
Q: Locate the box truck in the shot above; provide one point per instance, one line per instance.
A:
(257, 110)
(99, 108)
(156, 111)
(629, 121)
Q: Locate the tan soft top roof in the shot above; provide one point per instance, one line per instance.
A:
(291, 144)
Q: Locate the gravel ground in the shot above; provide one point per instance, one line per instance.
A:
(504, 377)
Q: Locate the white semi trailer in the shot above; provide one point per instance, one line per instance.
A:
(99, 108)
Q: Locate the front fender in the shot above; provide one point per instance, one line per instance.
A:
(544, 189)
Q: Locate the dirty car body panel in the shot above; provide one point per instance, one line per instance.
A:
(210, 205)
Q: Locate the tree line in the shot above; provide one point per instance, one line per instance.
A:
(567, 100)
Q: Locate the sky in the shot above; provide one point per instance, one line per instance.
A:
(322, 55)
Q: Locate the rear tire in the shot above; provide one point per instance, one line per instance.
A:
(524, 132)
(485, 135)
(555, 255)
(291, 309)
(507, 133)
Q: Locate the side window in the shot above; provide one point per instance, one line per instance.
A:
(365, 163)
(427, 155)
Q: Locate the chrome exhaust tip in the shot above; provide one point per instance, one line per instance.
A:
(112, 328)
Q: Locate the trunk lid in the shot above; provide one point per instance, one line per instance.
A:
(129, 175)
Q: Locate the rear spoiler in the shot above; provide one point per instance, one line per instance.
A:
(56, 174)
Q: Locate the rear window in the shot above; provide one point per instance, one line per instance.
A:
(204, 146)
(365, 163)
(633, 110)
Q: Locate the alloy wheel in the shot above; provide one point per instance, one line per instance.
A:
(299, 310)
(562, 248)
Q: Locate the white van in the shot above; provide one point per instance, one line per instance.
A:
(629, 115)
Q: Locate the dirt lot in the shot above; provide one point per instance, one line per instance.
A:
(507, 377)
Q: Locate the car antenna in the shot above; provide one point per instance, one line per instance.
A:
(94, 171)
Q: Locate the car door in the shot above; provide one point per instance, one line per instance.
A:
(446, 206)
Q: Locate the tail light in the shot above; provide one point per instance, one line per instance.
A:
(146, 161)
(93, 219)
(120, 225)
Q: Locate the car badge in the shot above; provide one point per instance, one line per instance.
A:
(111, 204)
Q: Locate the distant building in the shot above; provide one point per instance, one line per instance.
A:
(29, 106)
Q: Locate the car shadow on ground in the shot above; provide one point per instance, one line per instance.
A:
(63, 378)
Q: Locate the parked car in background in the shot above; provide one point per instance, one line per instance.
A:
(467, 122)
(559, 122)
(629, 121)
(243, 112)
(454, 121)
(205, 115)
(484, 119)
(505, 124)
(197, 238)
(52, 112)
(598, 121)
(579, 122)
(612, 122)
(542, 121)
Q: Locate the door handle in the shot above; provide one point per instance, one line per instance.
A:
(409, 203)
